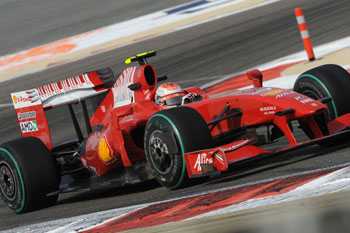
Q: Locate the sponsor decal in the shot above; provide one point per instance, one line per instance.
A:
(299, 97)
(122, 95)
(307, 100)
(103, 108)
(78, 82)
(314, 104)
(202, 159)
(25, 98)
(105, 151)
(26, 115)
(273, 92)
(268, 110)
(29, 126)
(260, 90)
(21, 99)
(283, 94)
(160, 125)
(220, 158)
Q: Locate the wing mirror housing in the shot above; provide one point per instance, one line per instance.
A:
(162, 78)
(134, 86)
(256, 77)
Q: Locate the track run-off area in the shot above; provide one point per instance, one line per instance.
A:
(267, 195)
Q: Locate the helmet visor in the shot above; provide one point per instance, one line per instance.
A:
(177, 100)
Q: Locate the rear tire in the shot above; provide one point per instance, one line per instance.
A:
(27, 174)
(169, 135)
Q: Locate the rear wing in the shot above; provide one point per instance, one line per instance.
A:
(31, 104)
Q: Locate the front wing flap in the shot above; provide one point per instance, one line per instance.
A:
(214, 160)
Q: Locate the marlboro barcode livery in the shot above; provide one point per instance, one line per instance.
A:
(139, 130)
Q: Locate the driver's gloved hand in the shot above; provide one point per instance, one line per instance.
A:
(189, 98)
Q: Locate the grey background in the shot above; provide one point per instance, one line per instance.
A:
(29, 23)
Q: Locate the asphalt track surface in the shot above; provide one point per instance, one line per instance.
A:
(193, 57)
(30, 23)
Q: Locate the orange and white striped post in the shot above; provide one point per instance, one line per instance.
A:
(304, 33)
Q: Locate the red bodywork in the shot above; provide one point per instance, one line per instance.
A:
(125, 112)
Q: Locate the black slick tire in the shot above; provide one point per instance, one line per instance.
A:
(168, 136)
(327, 81)
(27, 174)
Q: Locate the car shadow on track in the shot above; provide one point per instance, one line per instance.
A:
(109, 192)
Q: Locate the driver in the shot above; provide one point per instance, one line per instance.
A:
(171, 94)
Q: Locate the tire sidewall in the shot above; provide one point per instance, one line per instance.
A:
(17, 203)
(36, 174)
(174, 177)
(307, 83)
(330, 80)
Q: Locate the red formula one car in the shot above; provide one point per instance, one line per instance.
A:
(131, 139)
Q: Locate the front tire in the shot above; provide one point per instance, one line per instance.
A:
(169, 135)
(27, 174)
(327, 81)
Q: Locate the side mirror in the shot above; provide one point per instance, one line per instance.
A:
(162, 78)
(256, 76)
(134, 86)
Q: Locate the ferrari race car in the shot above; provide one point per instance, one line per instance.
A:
(131, 139)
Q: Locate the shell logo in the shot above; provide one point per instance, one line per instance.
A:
(104, 151)
(273, 92)
(15, 99)
(314, 104)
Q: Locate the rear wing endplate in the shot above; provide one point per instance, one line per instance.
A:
(30, 104)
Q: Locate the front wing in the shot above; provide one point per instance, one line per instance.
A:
(215, 160)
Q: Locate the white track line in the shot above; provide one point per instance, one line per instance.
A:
(288, 82)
